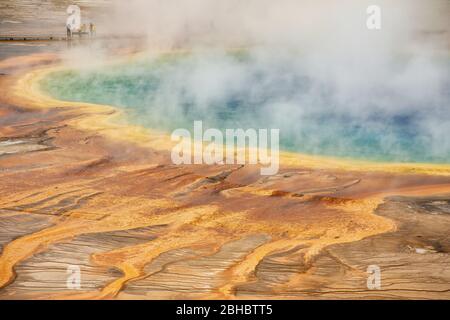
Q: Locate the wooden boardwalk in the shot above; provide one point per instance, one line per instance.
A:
(33, 38)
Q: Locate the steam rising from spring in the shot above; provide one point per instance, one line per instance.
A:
(300, 62)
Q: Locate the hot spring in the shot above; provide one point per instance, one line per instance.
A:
(379, 112)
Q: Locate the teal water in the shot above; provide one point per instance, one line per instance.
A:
(379, 122)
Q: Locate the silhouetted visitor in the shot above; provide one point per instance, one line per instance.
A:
(69, 32)
(92, 29)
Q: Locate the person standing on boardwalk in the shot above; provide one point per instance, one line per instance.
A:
(92, 29)
(69, 32)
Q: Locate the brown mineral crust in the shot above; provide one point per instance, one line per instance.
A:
(145, 228)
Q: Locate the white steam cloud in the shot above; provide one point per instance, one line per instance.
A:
(401, 70)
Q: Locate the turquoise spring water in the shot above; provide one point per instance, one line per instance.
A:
(236, 90)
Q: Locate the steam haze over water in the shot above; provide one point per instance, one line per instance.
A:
(310, 68)
(251, 89)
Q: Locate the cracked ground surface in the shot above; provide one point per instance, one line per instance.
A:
(141, 228)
